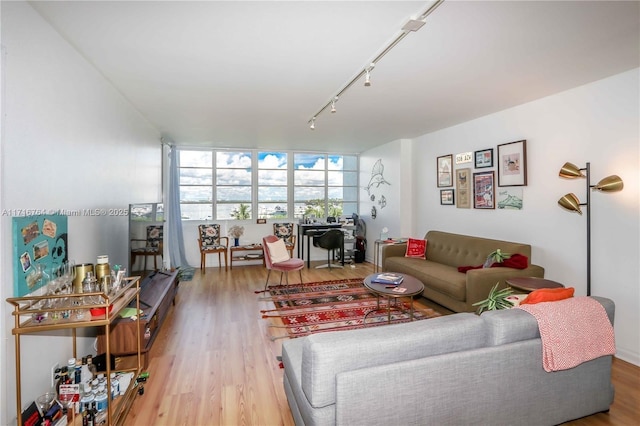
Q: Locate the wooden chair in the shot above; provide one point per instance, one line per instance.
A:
(291, 264)
(153, 246)
(210, 241)
(284, 231)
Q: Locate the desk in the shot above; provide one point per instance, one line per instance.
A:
(309, 230)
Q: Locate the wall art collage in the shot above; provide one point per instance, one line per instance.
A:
(479, 188)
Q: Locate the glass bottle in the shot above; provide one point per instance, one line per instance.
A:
(77, 376)
(101, 398)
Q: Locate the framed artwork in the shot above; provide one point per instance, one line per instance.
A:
(483, 158)
(483, 190)
(512, 164)
(463, 188)
(446, 197)
(39, 244)
(445, 170)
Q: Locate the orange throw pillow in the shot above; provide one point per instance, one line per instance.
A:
(416, 248)
(548, 295)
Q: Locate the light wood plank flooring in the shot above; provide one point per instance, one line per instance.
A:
(214, 362)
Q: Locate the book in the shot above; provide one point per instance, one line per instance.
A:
(387, 278)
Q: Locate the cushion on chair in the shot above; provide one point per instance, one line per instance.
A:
(278, 251)
(284, 231)
(154, 236)
(210, 236)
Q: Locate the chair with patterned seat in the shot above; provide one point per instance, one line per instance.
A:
(210, 241)
(153, 246)
(284, 231)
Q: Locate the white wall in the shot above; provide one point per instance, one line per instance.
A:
(69, 141)
(597, 123)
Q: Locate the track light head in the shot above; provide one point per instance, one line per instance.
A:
(367, 79)
(367, 75)
(333, 104)
(313, 124)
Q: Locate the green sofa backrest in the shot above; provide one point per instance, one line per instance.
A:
(463, 250)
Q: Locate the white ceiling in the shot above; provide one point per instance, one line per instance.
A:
(251, 74)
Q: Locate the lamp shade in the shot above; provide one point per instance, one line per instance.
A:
(611, 183)
(570, 171)
(571, 203)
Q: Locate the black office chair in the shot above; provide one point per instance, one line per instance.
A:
(330, 240)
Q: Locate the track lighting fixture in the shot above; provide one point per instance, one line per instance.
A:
(367, 75)
(412, 25)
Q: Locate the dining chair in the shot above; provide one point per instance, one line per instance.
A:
(210, 241)
(284, 231)
(153, 246)
(277, 258)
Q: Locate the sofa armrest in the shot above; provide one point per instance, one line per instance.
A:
(480, 281)
(392, 250)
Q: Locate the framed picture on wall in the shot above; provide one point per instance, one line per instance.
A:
(445, 170)
(446, 197)
(463, 188)
(483, 158)
(483, 190)
(512, 164)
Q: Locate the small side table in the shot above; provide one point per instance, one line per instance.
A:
(413, 288)
(378, 244)
(529, 284)
(254, 252)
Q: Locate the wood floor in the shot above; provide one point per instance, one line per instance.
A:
(214, 362)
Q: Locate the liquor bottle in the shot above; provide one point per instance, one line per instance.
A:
(77, 377)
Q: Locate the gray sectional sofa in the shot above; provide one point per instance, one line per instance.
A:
(460, 369)
(439, 272)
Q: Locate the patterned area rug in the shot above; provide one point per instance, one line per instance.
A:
(333, 305)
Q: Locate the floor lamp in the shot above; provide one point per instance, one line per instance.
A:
(570, 202)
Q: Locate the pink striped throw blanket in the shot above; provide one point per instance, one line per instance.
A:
(573, 331)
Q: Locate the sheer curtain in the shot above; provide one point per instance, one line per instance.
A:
(174, 216)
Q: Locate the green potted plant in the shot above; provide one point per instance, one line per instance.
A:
(497, 299)
(495, 257)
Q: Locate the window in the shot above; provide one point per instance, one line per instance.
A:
(244, 184)
(196, 184)
(233, 185)
(273, 198)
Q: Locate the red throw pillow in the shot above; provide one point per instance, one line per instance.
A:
(548, 295)
(416, 248)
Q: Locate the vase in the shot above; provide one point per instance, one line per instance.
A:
(236, 242)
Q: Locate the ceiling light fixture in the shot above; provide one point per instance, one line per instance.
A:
(333, 104)
(313, 124)
(367, 76)
(412, 25)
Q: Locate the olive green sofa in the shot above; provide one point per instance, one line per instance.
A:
(446, 252)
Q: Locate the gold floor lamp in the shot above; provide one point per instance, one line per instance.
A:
(570, 202)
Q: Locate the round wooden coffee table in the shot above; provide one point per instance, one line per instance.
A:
(530, 284)
(409, 287)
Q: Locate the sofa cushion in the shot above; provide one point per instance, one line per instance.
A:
(327, 354)
(439, 277)
(416, 248)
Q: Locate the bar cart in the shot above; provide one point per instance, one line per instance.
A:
(35, 314)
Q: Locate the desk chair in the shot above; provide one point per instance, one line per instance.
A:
(284, 231)
(331, 240)
(278, 261)
(153, 246)
(210, 241)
